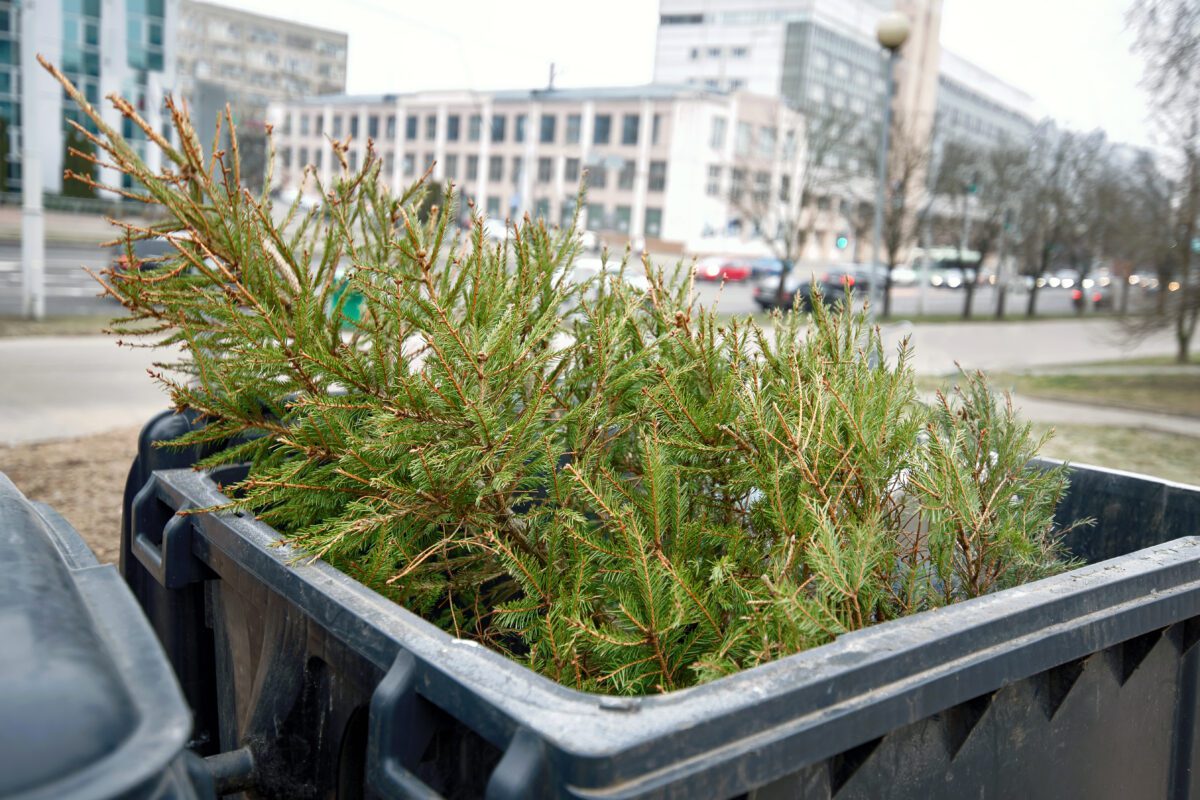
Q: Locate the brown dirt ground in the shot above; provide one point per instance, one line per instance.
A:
(83, 479)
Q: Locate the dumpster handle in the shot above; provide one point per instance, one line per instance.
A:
(394, 732)
(170, 560)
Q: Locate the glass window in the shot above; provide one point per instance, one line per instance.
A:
(452, 124)
(658, 176)
(429, 159)
(716, 137)
(595, 216)
(571, 170)
(541, 209)
(410, 165)
(390, 128)
(653, 225)
(785, 188)
(567, 212)
(714, 52)
(629, 128)
(517, 165)
(602, 131)
(519, 128)
(626, 174)
(373, 126)
(622, 217)
(472, 168)
(303, 162)
(354, 126)
(430, 127)
(410, 127)
(354, 161)
(655, 128)
(493, 207)
(338, 122)
(740, 52)
(745, 134)
(546, 132)
(389, 164)
(574, 126)
(304, 124)
(597, 176)
(737, 183)
(713, 187)
(474, 127)
(451, 166)
(496, 168)
(499, 123)
(766, 141)
(545, 170)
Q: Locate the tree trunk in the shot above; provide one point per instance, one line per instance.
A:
(1124, 296)
(1031, 306)
(887, 293)
(968, 301)
(1001, 295)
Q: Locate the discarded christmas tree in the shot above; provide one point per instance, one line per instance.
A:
(600, 480)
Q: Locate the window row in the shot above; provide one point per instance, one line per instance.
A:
(717, 52)
(599, 217)
(760, 186)
(624, 176)
(415, 125)
(749, 141)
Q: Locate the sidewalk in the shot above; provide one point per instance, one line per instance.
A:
(62, 227)
(1020, 346)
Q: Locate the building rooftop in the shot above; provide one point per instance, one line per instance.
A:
(231, 11)
(650, 91)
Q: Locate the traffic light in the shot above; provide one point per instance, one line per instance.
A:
(842, 242)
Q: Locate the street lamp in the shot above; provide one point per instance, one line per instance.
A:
(892, 32)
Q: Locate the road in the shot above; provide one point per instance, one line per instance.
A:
(58, 387)
(69, 290)
(735, 298)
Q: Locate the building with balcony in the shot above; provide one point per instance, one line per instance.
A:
(666, 165)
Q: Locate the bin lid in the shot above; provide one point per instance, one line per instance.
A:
(89, 707)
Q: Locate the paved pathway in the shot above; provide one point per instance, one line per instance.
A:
(57, 387)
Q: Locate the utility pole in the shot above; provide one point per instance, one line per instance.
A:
(33, 226)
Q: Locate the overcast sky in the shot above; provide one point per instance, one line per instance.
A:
(1075, 63)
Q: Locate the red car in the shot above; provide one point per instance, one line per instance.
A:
(719, 268)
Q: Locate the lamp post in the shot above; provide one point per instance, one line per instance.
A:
(892, 32)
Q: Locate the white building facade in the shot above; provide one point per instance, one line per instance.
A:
(666, 165)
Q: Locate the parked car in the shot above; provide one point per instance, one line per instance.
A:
(835, 284)
(769, 266)
(723, 268)
(1100, 297)
(146, 252)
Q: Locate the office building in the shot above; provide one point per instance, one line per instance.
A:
(104, 46)
(666, 164)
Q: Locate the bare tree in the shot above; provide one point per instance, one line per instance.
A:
(904, 194)
(787, 216)
(1167, 36)
(991, 178)
(1049, 208)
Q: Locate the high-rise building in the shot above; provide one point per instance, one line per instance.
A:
(251, 60)
(229, 56)
(823, 54)
(666, 164)
(104, 46)
(822, 57)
